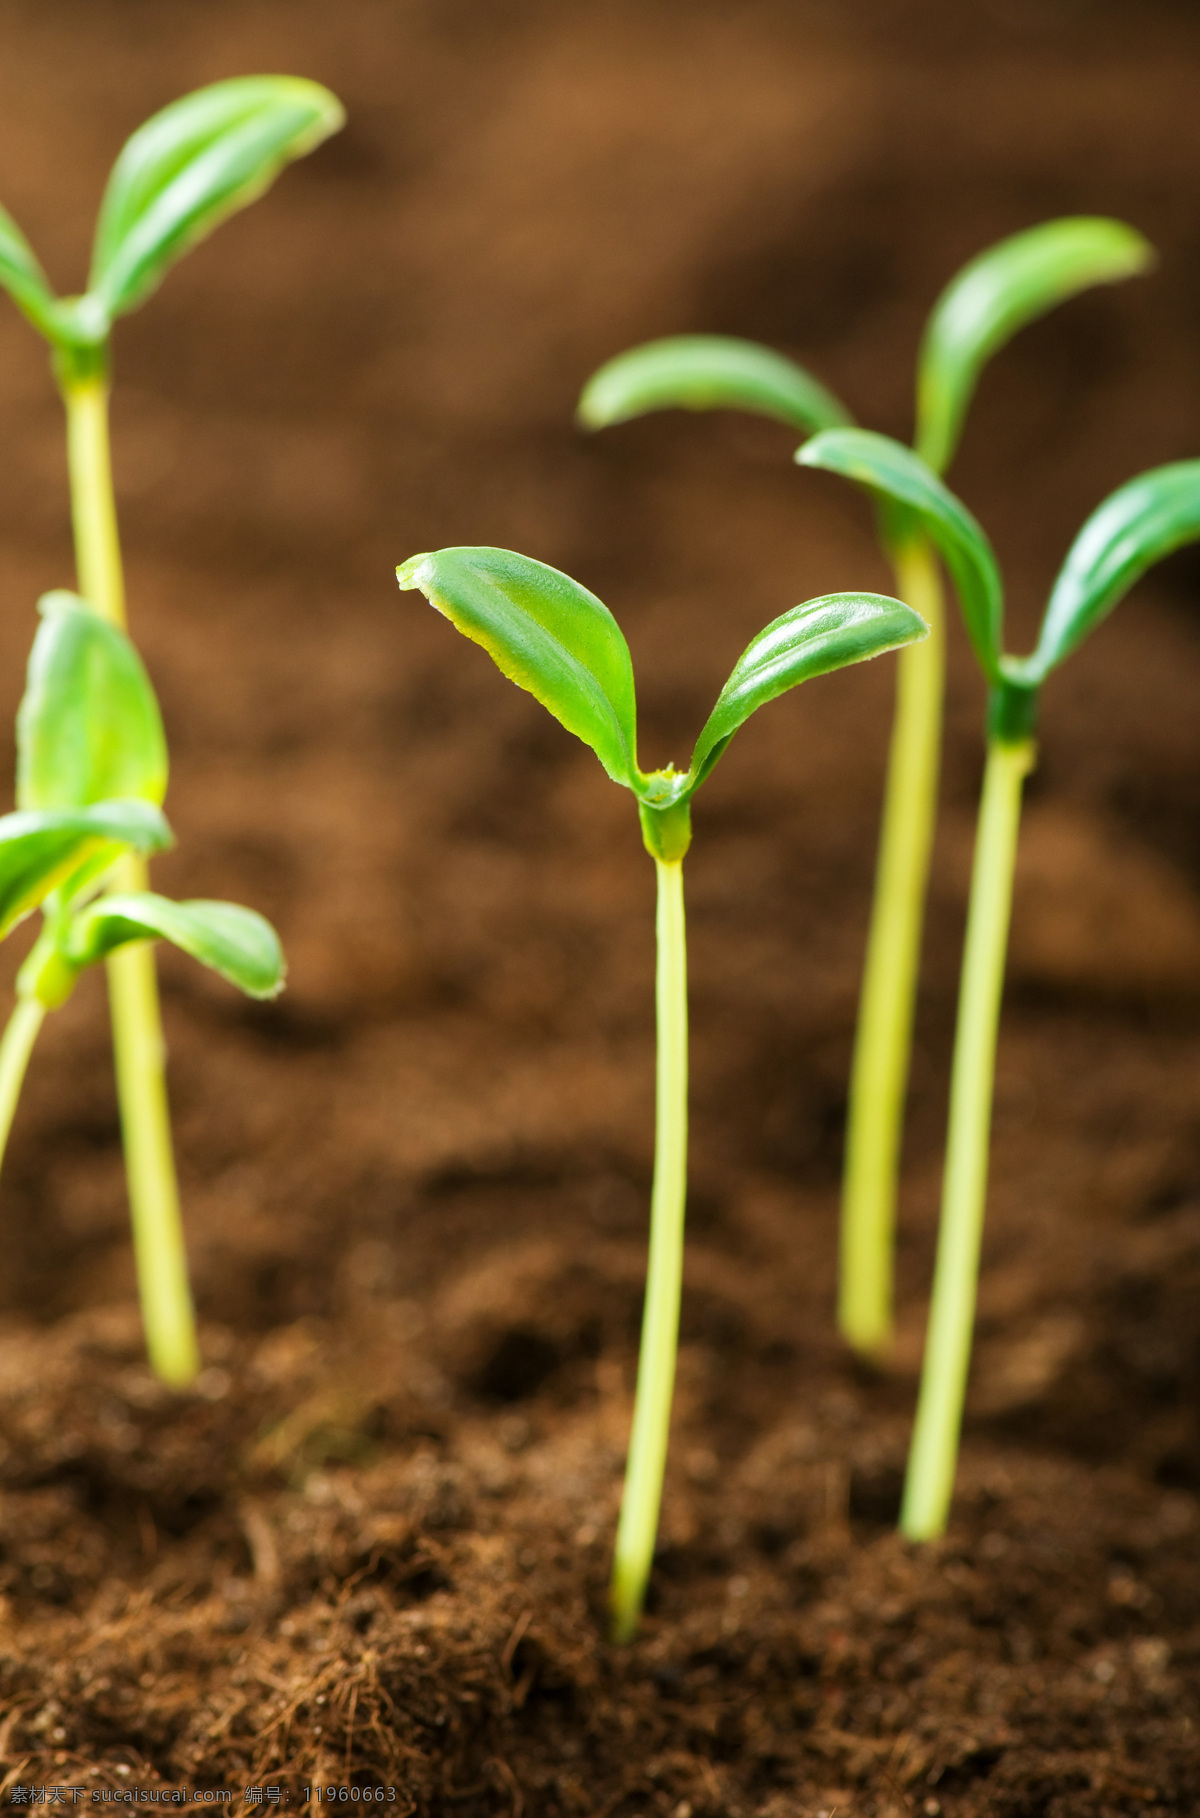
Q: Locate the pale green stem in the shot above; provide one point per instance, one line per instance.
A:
(879, 1078)
(16, 1045)
(159, 1250)
(933, 1457)
(158, 1245)
(638, 1526)
(93, 506)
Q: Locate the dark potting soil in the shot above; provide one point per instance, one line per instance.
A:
(370, 1549)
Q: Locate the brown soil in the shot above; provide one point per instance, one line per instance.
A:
(371, 1548)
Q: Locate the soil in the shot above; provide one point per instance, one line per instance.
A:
(369, 1550)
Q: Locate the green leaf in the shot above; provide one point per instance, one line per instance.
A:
(547, 634)
(23, 277)
(708, 372)
(900, 477)
(1136, 526)
(192, 165)
(998, 293)
(39, 850)
(822, 635)
(238, 943)
(88, 729)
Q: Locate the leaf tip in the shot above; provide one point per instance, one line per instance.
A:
(1133, 253)
(60, 599)
(596, 408)
(333, 113)
(411, 575)
(161, 836)
(268, 991)
(327, 114)
(814, 452)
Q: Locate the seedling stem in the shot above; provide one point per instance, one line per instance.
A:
(160, 1254)
(664, 1275)
(879, 1080)
(934, 1453)
(93, 508)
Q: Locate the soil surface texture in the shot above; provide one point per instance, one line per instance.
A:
(370, 1549)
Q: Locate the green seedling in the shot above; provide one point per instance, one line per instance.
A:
(551, 636)
(982, 308)
(180, 175)
(1140, 523)
(91, 775)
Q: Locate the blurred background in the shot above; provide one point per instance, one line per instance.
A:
(384, 356)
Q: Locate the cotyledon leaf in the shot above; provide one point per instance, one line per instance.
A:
(1133, 528)
(88, 728)
(191, 166)
(708, 372)
(994, 296)
(813, 639)
(894, 473)
(39, 850)
(546, 633)
(23, 278)
(238, 943)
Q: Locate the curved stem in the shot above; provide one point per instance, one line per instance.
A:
(879, 1077)
(159, 1249)
(644, 1471)
(16, 1045)
(933, 1457)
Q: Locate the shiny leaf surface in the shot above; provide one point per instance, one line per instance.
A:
(88, 728)
(38, 851)
(238, 943)
(899, 477)
(1136, 526)
(994, 296)
(708, 372)
(191, 166)
(822, 635)
(546, 633)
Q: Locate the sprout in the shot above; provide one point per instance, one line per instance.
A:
(181, 174)
(552, 637)
(91, 774)
(1141, 522)
(983, 306)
